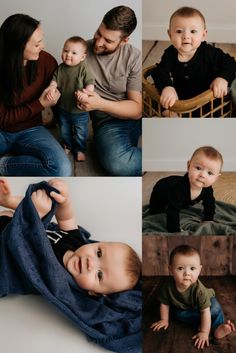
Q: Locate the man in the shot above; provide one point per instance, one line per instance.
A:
(116, 104)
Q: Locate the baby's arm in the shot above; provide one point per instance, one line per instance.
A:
(164, 321)
(202, 337)
(65, 213)
(168, 97)
(52, 89)
(219, 87)
(6, 198)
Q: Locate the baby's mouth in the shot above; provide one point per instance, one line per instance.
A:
(80, 265)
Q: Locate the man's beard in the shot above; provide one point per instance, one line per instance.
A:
(105, 51)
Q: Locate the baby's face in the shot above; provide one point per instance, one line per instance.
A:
(185, 270)
(203, 171)
(99, 267)
(73, 53)
(187, 33)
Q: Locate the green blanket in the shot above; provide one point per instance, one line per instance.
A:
(191, 221)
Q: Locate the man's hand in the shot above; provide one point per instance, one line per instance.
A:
(201, 339)
(42, 202)
(168, 97)
(156, 326)
(219, 87)
(88, 101)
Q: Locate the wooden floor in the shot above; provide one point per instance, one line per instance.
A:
(177, 338)
(224, 188)
(152, 50)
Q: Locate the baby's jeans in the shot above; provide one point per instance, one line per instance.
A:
(192, 316)
(74, 130)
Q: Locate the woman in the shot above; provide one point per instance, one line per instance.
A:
(26, 147)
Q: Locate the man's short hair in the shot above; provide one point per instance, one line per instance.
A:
(121, 18)
(182, 250)
(186, 11)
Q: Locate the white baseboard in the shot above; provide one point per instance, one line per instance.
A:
(223, 34)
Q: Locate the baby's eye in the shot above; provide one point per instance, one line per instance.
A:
(65, 51)
(100, 275)
(210, 173)
(74, 53)
(180, 268)
(179, 31)
(198, 168)
(193, 31)
(99, 252)
(193, 268)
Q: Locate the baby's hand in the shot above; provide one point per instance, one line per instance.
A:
(61, 186)
(168, 97)
(81, 95)
(219, 87)
(42, 202)
(201, 339)
(156, 326)
(51, 93)
(5, 192)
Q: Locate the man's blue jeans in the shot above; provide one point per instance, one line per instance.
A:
(74, 130)
(116, 146)
(192, 316)
(33, 152)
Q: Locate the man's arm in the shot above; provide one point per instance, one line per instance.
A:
(129, 108)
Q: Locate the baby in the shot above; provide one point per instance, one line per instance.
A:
(173, 193)
(191, 301)
(71, 77)
(190, 66)
(100, 268)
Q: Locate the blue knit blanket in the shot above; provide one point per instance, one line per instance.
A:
(28, 266)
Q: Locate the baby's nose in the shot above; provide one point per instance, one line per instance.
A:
(91, 263)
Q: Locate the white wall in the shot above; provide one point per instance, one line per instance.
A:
(220, 17)
(62, 19)
(109, 208)
(169, 143)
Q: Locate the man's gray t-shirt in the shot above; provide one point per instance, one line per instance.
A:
(116, 73)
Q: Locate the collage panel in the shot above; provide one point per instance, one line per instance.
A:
(83, 117)
(188, 59)
(181, 275)
(82, 257)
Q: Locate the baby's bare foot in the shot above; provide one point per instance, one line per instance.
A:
(81, 156)
(224, 330)
(66, 150)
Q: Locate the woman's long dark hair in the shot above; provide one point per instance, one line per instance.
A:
(14, 34)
